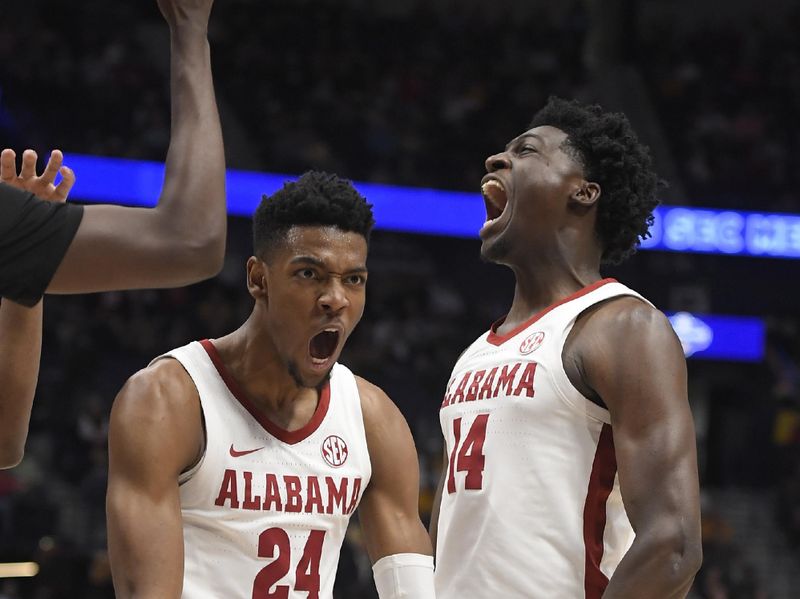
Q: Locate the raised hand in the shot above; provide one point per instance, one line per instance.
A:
(42, 185)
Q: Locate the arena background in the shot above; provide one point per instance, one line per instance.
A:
(416, 94)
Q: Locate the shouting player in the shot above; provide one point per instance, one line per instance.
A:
(235, 464)
(572, 468)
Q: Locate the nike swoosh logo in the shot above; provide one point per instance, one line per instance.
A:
(238, 454)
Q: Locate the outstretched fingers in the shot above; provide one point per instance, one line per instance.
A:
(28, 170)
(8, 166)
(63, 188)
(53, 165)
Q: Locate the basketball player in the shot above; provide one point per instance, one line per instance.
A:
(235, 464)
(572, 469)
(66, 248)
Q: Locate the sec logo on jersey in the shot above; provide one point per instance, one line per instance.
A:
(334, 450)
(531, 343)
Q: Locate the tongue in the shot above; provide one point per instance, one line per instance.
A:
(323, 344)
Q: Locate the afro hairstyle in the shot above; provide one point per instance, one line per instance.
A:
(607, 148)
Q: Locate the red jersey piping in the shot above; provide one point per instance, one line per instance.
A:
(289, 437)
(496, 339)
(601, 483)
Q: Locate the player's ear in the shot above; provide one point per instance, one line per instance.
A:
(586, 194)
(257, 278)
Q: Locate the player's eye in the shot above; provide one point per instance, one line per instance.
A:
(526, 149)
(306, 273)
(356, 280)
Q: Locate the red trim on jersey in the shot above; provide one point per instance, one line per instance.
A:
(495, 339)
(290, 437)
(601, 482)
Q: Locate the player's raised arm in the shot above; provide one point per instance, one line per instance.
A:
(634, 361)
(182, 239)
(396, 540)
(155, 433)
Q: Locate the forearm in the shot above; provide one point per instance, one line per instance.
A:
(192, 204)
(20, 345)
(145, 544)
(657, 569)
(433, 529)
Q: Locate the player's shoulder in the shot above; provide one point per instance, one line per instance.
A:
(626, 326)
(389, 438)
(377, 407)
(156, 420)
(625, 314)
(373, 398)
(164, 387)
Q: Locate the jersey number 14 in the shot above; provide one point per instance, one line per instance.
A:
(468, 456)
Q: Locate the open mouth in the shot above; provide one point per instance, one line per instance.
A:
(323, 345)
(494, 196)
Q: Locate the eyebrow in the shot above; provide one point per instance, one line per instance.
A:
(319, 263)
(523, 136)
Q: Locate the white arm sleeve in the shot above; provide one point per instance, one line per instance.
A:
(404, 576)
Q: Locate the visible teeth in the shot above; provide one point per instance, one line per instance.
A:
(492, 183)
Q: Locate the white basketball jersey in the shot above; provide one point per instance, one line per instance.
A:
(265, 510)
(531, 504)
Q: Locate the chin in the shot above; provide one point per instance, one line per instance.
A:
(309, 380)
(495, 249)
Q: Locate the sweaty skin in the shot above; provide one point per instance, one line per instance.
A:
(315, 281)
(621, 354)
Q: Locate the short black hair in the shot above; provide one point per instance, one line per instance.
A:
(316, 198)
(611, 155)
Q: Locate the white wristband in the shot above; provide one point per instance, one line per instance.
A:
(404, 576)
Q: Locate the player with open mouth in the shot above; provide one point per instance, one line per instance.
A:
(236, 463)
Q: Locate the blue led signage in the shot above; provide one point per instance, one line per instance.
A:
(459, 214)
(713, 337)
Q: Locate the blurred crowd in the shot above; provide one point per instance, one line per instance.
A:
(726, 96)
(414, 98)
(418, 98)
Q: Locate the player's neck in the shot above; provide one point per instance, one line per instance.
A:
(540, 287)
(250, 357)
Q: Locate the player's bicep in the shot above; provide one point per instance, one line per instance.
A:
(148, 447)
(389, 510)
(641, 377)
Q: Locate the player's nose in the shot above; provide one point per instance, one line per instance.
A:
(334, 298)
(497, 162)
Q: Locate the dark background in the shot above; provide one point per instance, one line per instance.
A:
(418, 94)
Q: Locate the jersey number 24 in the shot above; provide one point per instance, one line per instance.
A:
(274, 543)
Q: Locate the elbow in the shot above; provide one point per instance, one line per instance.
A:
(11, 455)
(211, 256)
(203, 256)
(686, 564)
(685, 553)
(695, 559)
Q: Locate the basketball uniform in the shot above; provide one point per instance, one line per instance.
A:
(531, 505)
(265, 510)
